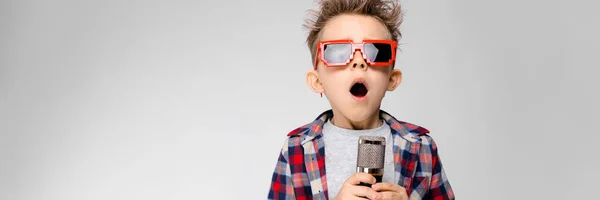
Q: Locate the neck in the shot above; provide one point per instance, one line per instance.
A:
(370, 122)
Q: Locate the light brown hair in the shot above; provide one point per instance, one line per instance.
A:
(387, 12)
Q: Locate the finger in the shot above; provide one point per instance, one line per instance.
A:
(388, 187)
(361, 191)
(393, 196)
(359, 177)
(390, 196)
(387, 195)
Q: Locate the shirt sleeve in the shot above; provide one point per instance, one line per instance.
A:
(281, 182)
(439, 188)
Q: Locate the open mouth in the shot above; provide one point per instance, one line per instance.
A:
(359, 89)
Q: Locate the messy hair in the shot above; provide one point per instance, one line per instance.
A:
(387, 12)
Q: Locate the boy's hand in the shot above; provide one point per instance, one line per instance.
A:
(351, 189)
(390, 191)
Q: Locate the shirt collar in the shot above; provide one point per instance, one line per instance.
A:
(405, 130)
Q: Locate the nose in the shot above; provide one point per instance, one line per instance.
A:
(358, 62)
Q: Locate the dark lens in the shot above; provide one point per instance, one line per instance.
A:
(337, 53)
(378, 52)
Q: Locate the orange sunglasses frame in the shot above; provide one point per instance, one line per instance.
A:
(355, 46)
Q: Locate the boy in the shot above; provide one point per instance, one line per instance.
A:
(353, 45)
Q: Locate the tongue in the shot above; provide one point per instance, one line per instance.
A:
(358, 90)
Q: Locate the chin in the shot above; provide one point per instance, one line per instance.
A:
(359, 114)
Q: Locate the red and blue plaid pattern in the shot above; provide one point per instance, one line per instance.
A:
(300, 170)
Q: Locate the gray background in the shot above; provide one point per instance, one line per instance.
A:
(193, 99)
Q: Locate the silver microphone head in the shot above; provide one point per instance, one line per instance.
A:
(371, 154)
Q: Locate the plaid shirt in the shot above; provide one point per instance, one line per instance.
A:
(300, 170)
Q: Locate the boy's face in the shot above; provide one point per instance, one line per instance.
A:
(355, 102)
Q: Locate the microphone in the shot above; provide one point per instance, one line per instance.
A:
(371, 154)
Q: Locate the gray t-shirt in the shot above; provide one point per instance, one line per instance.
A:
(341, 146)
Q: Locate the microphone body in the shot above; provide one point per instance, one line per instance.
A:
(371, 156)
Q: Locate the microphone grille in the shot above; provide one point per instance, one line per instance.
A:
(371, 152)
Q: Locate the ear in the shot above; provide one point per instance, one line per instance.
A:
(395, 80)
(313, 81)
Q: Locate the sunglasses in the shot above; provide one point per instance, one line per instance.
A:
(334, 53)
